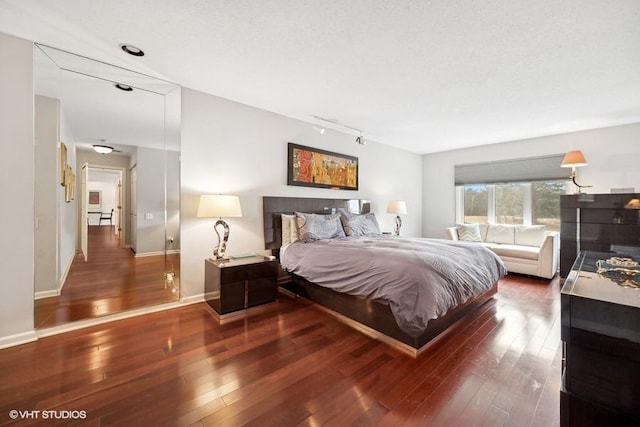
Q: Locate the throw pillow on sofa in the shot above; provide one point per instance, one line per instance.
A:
(469, 232)
(529, 235)
(501, 233)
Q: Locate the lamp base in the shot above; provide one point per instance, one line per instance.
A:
(580, 187)
(219, 251)
(396, 230)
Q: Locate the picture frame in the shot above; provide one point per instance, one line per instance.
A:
(95, 199)
(63, 163)
(314, 167)
(73, 186)
(68, 186)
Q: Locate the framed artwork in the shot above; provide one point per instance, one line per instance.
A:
(68, 184)
(312, 167)
(73, 186)
(95, 199)
(63, 163)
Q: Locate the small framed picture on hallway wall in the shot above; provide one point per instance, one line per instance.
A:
(95, 199)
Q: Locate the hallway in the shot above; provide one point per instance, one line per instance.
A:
(111, 281)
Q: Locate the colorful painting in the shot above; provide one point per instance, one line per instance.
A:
(312, 167)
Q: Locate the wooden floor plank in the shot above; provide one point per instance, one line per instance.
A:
(111, 281)
(293, 364)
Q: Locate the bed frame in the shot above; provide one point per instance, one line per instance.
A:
(372, 318)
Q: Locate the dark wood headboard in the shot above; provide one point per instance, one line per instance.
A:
(273, 207)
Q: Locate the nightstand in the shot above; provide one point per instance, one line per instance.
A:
(237, 284)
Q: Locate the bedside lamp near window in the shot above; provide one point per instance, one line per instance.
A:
(219, 206)
(397, 207)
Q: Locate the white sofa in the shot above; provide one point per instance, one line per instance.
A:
(525, 249)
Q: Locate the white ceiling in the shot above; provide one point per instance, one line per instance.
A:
(422, 75)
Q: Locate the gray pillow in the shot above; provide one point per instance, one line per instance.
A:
(318, 227)
(360, 225)
(469, 232)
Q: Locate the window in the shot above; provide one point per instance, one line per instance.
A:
(475, 203)
(545, 203)
(509, 204)
(512, 203)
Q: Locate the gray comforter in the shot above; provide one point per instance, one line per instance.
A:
(420, 279)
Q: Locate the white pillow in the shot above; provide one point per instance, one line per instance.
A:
(287, 221)
(529, 235)
(501, 233)
(484, 227)
(294, 229)
(469, 232)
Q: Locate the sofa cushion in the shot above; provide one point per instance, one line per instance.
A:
(500, 233)
(469, 232)
(516, 251)
(484, 227)
(529, 235)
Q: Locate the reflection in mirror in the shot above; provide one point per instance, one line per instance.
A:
(107, 224)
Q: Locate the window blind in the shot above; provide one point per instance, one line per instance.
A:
(543, 168)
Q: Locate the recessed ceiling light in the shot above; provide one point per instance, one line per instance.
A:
(123, 87)
(132, 50)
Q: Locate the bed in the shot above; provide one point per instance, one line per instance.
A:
(383, 306)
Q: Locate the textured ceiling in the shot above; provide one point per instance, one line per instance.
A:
(422, 75)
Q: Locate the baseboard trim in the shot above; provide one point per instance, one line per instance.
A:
(56, 292)
(145, 254)
(193, 299)
(18, 339)
(80, 324)
(66, 273)
(46, 294)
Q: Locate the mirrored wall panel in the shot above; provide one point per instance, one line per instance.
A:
(107, 188)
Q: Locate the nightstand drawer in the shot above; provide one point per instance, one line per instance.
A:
(261, 290)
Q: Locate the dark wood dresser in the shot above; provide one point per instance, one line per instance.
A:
(597, 222)
(600, 334)
(237, 284)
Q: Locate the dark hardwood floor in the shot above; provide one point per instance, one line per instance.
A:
(111, 281)
(294, 365)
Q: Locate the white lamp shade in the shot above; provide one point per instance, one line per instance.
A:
(573, 159)
(398, 207)
(219, 206)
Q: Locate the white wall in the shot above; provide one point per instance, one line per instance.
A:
(47, 181)
(173, 199)
(17, 190)
(613, 155)
(67, 212)
(230, 148)
(150, 194)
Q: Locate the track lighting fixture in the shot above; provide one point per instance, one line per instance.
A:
(359, 139)
(319, 129)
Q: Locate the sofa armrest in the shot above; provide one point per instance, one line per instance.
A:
(549, 255)
(451, 233)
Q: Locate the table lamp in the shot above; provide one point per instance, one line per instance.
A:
(574, 159)
(219, 206)
(397, 207)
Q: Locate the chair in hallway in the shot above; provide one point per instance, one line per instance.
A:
(106, 217)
